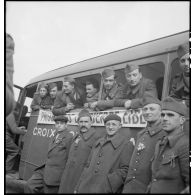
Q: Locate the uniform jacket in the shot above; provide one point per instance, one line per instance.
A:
(180, 88)
(107, 167)
(135, 94)
(94, 98)
(39, 102)
(56, 158)
(139, 174)
(170, 165)
(10, 102)
(63, 99)
(107, 99)
(78, 155)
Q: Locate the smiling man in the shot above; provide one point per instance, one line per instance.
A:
(139, 174)
(107, 166)
(170, 164)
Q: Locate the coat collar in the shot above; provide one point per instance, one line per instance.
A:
(112, 91)
(88, 134)
(116, 140)
(153, 130)
(173, 139)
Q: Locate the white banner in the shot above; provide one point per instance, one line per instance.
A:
(130, 118)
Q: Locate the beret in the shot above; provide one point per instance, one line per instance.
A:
(170, 103)
(61, 118)
(148, 98)
(183, 49)
(52, 85)
(112, 117)
(69, 79)
(84, 113)
(107, 73)
(130, 67)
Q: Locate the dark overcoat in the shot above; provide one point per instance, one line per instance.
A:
(107, 167)
(78, 155)
(139, 174)
(170, 165)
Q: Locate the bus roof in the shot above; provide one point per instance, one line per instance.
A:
(149, 48)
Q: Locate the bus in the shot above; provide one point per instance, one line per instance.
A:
(158, 61)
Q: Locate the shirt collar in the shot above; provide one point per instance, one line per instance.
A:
(154, 129)
(173, 139)
(112, 91)
(116, 140)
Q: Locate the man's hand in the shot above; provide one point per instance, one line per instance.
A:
(93, 105)
(127, 104)
(70, 106)
(86, 105)
(21, 130)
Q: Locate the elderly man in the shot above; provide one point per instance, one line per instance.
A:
(180, 88)
(170, 164)
(107, 166)
(69, 98)
(111, 90)
(135, 88)
(139, 174)
(79, 152)
(46, 178)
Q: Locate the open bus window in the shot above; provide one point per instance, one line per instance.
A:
(154, 71)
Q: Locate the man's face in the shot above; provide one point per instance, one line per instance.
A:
(68, 87)
(112, 127)
(43, 92)
(184, 62)
(91, 91)
(151, 112)
(53, 92)
(109, 82)
(171, 120)
(133, 78)
(60, 125)
(84, 124)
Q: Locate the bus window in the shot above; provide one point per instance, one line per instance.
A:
(154, 71)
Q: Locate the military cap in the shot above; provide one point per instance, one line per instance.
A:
(112, 117)
(170, 103)
(183, 49)
(52, 85)
(69, 79)
(61, 118)
(131, 67)
(84, 113)
(148, 98)
(43, 85)
(108, 72)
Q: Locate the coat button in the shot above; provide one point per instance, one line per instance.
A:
(98, 163)
(136, 161)
(138, 153)
(135, 169)
(96, 171)
(133, 177)
(100, 154)
(154, 179)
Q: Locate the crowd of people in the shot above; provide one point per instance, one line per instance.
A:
(89, 161)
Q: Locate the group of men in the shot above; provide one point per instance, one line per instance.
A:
(88, 161)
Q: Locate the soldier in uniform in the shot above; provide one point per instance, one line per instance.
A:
(46, 178)
(111, 90)
(69, 98)
(92, 90)
(41, 100)
(10, 102)
(135, 88)
(170, 164)
(180, 89)
(79, 152)
(108, 162)
(139, 174)
(53, 92)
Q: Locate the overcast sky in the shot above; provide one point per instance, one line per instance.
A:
(49, 35)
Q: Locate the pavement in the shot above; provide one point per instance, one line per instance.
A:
(14, 184)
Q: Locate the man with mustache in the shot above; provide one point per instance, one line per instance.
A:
(139, 173)
(170, 164)
(79, 152)
(135, 88)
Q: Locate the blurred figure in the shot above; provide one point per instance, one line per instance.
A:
(111, 90)
(41, 100)
(46, 178)
(92, 88)
(69, 98)
(12, 150)
(170, 163)
(10, 102)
